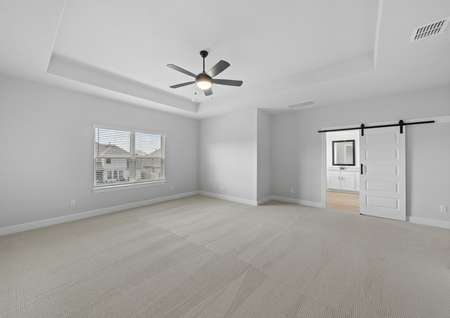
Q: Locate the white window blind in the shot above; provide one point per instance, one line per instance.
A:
(126, 157)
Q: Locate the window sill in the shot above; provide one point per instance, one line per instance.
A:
(127, 186)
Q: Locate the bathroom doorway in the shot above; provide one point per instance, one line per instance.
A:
(343, 171)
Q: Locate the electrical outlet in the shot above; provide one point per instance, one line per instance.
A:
(171, 187)
(73, 203)
(291, 189)
(443, 208)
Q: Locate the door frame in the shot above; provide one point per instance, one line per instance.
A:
(438, 120)
(324, 170)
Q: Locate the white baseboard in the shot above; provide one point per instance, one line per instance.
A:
(430, 222)
(413, 219)
(264, 200)
(88, 214)
(228, 198)
(313, 204)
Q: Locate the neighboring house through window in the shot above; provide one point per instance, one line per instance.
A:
(127, 156)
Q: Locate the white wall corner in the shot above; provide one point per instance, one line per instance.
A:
(228, 198)
(314, 204)
(264, 200)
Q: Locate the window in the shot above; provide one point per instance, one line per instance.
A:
(126, 157)
(99, 176)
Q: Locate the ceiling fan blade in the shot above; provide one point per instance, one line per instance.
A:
(219, 68)
(208, 92)
(180, 69)
(227, 82)
(182, 84)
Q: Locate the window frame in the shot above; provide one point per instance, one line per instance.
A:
(133, 156)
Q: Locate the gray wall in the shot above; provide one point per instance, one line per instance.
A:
(228, 154)
(297, 147)
(46, 151)
(428, 170)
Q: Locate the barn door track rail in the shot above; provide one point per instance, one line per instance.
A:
(401, 124)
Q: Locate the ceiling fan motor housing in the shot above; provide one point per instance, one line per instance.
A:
(203, 77)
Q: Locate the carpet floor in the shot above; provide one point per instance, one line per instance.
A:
(202, 257)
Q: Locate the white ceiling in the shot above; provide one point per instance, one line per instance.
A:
(286, 52)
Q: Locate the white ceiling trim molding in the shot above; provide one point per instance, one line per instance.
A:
(377, 32)
(366, 53)
(342, 69)
(55, 36)
(84, 73)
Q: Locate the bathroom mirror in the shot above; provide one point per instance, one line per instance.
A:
(343, 152)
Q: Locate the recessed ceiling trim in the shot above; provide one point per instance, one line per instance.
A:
(88, 74)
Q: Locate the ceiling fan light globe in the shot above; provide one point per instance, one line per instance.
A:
(203, 81)
(204, 84)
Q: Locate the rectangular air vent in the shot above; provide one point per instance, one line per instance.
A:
(305, 104)
(428, 30)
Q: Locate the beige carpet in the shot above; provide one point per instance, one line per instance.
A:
(200, 257)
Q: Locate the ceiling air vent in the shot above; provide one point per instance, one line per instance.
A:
(428, 30)
(305, 104)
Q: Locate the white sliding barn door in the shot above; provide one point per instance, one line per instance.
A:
(383, 186)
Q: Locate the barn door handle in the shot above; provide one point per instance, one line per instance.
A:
(362, 169)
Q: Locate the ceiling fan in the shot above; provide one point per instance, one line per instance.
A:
(205, 80)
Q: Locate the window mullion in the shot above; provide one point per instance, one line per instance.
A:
(132, 143)
(163, 157)
(133, 155)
